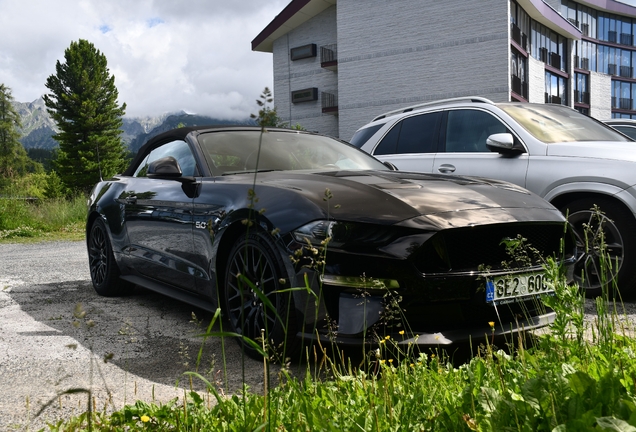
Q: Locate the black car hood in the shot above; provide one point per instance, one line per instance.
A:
(389, 197)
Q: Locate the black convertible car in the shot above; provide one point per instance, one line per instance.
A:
(304, 236)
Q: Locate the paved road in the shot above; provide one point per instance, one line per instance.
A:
(152, 339)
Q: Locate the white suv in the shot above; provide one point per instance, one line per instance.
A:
(571, 160)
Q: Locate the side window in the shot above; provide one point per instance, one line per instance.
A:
(178, 150)
(467, 130)
(416, 134)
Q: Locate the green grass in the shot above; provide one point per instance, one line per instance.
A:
(578, 376)
(44, 219)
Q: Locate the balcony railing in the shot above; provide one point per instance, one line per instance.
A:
(611, 36)
(581, 97)
(329, 57)
(585, 63)
(611, 69)
(553, 99)
(626, 71)
(626, 39)
(555, 60)
(519, 87)
(625, 103)
(519, 37)
(543, 55)
(329, 102)
(585, 29)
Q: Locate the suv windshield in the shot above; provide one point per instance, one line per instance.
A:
(554, 123)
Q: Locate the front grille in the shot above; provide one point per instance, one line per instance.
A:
(472, 248)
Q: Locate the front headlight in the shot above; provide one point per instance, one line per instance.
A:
(346, 234)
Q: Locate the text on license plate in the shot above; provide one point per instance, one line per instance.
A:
(512, 288)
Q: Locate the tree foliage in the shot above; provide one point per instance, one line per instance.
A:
(83, 103)
(267, 115)
(14, 161)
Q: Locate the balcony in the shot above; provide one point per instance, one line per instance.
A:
(611, 36)
(611, 69)
(543, 55)
(329, 57)
(626, 71)
(329, 103)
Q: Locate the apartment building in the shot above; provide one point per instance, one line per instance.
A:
(339, 63)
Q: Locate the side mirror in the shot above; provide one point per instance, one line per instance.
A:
(503, 143)
(164, 168)
(390, 166)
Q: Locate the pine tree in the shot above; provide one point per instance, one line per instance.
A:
(83, 103)
(14, 161)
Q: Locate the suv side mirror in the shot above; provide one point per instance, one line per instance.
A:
(502, 143)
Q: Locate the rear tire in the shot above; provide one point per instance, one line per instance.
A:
(255, 256)
(614, 227)
(101, 261)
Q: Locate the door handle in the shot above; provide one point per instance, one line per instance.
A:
(131, 200)
(446, 168)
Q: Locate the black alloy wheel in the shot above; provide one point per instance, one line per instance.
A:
(254, 257)
(103, 267)
(605, 241)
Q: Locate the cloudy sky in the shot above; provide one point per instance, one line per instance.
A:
(166, 55)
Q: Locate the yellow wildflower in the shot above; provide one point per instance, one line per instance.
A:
(491, 324)
(387, 337)
(401, 332)
(145, 418)
(390, 360)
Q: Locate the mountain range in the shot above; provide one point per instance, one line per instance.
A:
(38, 127)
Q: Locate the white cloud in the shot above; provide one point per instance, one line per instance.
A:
(166, 55)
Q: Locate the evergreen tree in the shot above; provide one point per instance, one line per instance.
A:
(83, 103)
(267, 116)
(14, 161)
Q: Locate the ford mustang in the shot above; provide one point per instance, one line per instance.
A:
(298, 236)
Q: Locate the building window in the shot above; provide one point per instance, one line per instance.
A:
(518, 78)
(581, 88)
(549, 47)
(305, 51)
(555, 89)
(519, 25)
(622, 95)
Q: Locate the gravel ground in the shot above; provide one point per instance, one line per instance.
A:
(42, 354)
(152, 339)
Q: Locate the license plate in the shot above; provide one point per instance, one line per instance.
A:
(515, 288)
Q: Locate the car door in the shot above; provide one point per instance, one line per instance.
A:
(412, 142)
(158, 218)
(464, 150)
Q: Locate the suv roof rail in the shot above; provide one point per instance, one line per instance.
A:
(437, 102)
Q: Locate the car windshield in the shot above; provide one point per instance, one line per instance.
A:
(554, 123)
(230, 152)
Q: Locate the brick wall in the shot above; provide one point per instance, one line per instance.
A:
(600, 96)
(404, 52)
(299, 74)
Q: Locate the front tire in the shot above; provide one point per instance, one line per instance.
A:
(101, 261)
(256, 258)
(615, 229)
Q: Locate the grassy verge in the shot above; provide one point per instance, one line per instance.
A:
(47, 219)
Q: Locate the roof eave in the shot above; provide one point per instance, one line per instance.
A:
(294, 14)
